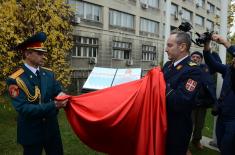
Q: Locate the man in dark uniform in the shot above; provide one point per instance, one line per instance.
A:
(182, 83)
(205, 99)
(32, 89)
(225, 126)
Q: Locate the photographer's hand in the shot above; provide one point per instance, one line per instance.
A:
(220, 40)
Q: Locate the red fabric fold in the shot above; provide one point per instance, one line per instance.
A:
(128, 119)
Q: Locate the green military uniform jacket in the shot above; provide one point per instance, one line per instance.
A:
(37, 114)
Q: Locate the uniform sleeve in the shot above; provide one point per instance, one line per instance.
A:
(231, 50)
(56, 86)
(27, 109)
(213, 64)
(180, 97)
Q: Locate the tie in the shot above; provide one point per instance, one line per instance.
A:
(39, 78)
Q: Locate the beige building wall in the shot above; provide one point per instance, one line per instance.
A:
(107, 34)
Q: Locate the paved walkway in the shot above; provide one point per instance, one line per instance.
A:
(205, 142)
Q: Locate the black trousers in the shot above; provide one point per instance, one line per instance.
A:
(51, 148)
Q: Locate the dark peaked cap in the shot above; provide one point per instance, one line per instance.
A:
(197, 53)
(34, 42)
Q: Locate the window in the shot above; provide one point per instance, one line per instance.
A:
(210, 8)
(209, 25)
(186, 15)
(174, 9)
(85, 47)
(121, 50)
(86, 10)
(200, 3)
(148, 53)
(153, 3)
(199, 20)
(121, 19)
(149, 26)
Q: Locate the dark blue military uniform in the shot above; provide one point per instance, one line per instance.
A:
(182, 82)
(205, 98)
(225, 127)
(208, 95)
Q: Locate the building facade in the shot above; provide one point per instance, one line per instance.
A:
(130, 33)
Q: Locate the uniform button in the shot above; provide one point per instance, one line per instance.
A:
(44, 119)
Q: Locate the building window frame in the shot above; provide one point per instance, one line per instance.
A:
(121, 50)
(209, 25)
(149, 26)
(187, 15)
(85, 47)
(199, 20)
(121, 19)
(174, 9)
(149, 53)
(87, 11)
(210, 7)
(153, 3)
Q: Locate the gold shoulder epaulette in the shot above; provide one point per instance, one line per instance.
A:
(17, 73)
(192, 63)
(47, 68)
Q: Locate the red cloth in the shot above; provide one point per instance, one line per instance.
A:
(128, 119)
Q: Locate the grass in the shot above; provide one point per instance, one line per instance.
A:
(209, 122)
(72, 144)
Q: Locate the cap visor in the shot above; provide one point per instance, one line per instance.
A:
(37, 49)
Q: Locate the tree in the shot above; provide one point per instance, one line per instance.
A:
(22, 18)
(231, 11)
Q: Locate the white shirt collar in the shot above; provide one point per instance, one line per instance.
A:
(177, 62)
(32, 69)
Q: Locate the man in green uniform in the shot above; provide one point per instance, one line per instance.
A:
(32, 89)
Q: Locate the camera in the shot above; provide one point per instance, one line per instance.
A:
(201, 38)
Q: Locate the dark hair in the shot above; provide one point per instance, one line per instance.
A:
(197, 53)
(24, 53)
(182, 37)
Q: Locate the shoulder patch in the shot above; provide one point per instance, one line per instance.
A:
(192, 63)
(47, 68)
(17, 73)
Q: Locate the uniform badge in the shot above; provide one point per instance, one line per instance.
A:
(13, 91)
(179, 67)
(190, 85)
(192, 64)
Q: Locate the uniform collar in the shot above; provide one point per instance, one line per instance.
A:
(177, 62)
(32, 69)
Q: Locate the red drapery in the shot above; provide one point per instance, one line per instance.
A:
(128, 119)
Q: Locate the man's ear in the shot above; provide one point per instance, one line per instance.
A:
(27, 53)
(183, 47)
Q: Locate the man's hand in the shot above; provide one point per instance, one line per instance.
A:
(61, 104)
(220, 40)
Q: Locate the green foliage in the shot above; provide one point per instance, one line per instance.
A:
(22, 18)
(229, 56)
(231, 11)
